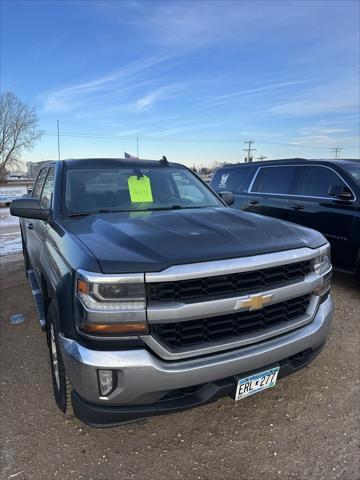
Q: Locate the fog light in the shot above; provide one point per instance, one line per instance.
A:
(107, 382)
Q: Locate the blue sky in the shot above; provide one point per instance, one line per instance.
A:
(284, 73)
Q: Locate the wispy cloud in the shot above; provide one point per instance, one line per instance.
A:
(187, 127)
(251, 91)
(325, 136)
(67, 98)
(320, 101)
(158, 95)
(315, 107)
(190, 26)
(325, 141)
(323, 131)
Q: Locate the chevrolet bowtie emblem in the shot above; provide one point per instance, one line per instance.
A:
(254, 302)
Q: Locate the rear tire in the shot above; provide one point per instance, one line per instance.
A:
(61, 384)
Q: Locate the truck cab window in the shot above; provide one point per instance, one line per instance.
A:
(39, 183)
(316, 181)
(45, 200)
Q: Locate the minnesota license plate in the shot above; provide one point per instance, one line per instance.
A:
(255, 383)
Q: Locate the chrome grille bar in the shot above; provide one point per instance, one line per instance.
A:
(233, 265)
(161, 312)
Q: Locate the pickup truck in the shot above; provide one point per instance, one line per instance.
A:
(157, 297)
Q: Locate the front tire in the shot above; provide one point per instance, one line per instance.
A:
(61, 385)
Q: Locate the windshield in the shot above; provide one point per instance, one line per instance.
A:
(134, 189)
(354, 170)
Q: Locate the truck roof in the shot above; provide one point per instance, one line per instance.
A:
(116, 162)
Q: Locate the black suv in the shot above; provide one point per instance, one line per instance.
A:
(321, 194)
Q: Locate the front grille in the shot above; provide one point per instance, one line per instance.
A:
(201, 289)
(224, 327)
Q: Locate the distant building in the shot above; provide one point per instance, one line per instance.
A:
(33, 168)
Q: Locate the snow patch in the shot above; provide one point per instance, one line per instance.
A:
(6, 219)
(9, 243)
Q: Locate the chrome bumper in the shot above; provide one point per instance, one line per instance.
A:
(143, 378)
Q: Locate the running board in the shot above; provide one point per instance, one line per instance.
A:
(38, 299)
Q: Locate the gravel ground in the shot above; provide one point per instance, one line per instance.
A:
(305, 428)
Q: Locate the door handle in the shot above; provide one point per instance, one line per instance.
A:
(297, 207)
(253, 202)
(30, 226)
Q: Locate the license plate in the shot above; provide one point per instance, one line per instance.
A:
(256, 383)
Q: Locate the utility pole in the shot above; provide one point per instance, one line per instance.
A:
(262, 157)
(58, 138)
(137, 147)
(249, 157)
(336, 152)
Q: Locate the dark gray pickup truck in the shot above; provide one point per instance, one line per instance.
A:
(157, 297)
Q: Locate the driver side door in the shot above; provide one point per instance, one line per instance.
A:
(29, 224)
(36, 228)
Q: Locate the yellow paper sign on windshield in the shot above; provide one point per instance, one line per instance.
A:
(140, 189)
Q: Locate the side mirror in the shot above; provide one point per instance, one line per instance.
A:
(228, 197)
(29, 208)
(341, 192)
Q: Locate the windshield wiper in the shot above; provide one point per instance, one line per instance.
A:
(84, 214)
(170, 207)
(81, 214)
(155, 209)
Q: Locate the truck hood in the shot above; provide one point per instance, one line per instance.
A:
(153, 241)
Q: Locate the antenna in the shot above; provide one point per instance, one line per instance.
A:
(164, 161)
(58, 138)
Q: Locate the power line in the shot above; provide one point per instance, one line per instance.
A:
(262, 157)
(336, 151)
(249, 157)
(179, 140)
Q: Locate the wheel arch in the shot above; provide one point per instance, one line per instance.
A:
(61, 295)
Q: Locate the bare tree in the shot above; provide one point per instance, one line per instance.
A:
(18, 130)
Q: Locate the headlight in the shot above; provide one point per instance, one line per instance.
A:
(113, 304)
(111, 296)
(322, 263)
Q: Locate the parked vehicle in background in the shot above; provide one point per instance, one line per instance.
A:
(321, 194)
(157, 297)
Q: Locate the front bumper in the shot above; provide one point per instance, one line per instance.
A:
(144, 379)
